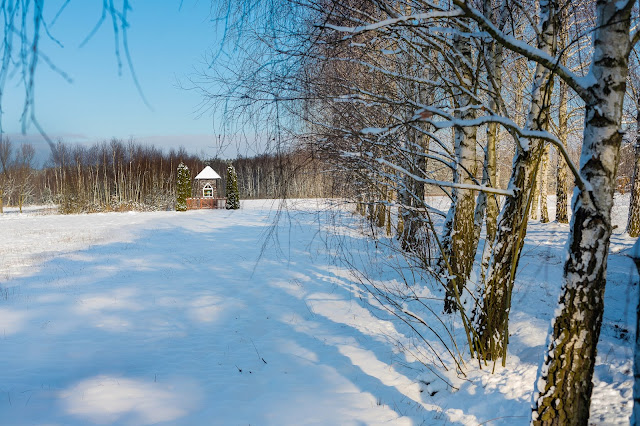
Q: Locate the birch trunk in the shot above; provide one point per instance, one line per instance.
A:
(633, 224)
(565, 383)
(535, 199)
(487, 204)
(413, 196)
(635, 417)
(490, 204)
(491, 321)
(544, 184)
(562, 186)
(461, 250)
(492, 200)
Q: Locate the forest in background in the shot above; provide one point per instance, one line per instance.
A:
(120, 176)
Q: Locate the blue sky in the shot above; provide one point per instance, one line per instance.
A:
(167, 40)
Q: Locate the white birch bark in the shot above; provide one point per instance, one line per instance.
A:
(565, 383)
(562, 185)
(535, 199)
(487, 204)
(544, 184)
(491, 320)
(635, 416)
(461, 250)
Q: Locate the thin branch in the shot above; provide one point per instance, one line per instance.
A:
(579, 84)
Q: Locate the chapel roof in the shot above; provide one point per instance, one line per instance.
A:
(208, 173)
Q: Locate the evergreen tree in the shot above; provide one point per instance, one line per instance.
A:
(233, 195)
(183, 187)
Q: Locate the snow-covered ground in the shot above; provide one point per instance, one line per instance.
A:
(215, 317)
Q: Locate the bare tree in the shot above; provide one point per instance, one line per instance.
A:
(562, 190)
(363, 140)
(5, 178)
(23, 173)
(458, 239)
(635, 416)
(633, 222)
(492, 318)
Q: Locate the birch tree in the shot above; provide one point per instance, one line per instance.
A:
(23, 172)
(6, 151)
(633, 221)
(568, 367)
(564, 387)
(635, 416)
(365, 141)
(562, 190)
(492, 319)
(575, 16)
(487, 205)
(458, 241)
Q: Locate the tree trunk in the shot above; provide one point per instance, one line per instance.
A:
(633, 224)
(535, 198)
(461, 250)
(564, 388)
(413, 238)
(493, 207)
(413, 197)
(487, 204)
(388, 219)
(544, 184)
(481, 201)
(491, 319)
(562, 186)
(635, 417)
(380, 215)
(405, 231)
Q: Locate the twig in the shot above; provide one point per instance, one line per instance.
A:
(254, 347)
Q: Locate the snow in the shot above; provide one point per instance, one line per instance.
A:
(444, 183)
(394, 21)
(201, 318)
(528, 51)
(207, 173)
(635, 250)
(374, 130)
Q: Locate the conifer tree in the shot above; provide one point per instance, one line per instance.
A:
(183, 187)
(233, 195)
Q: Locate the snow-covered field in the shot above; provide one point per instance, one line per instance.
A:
(215, 317)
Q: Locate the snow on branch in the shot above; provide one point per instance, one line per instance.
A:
(635, 38)
(509, 125)
(579, 84)
(393, 21)
(484, 188)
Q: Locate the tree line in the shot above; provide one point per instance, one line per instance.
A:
(119, 176)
